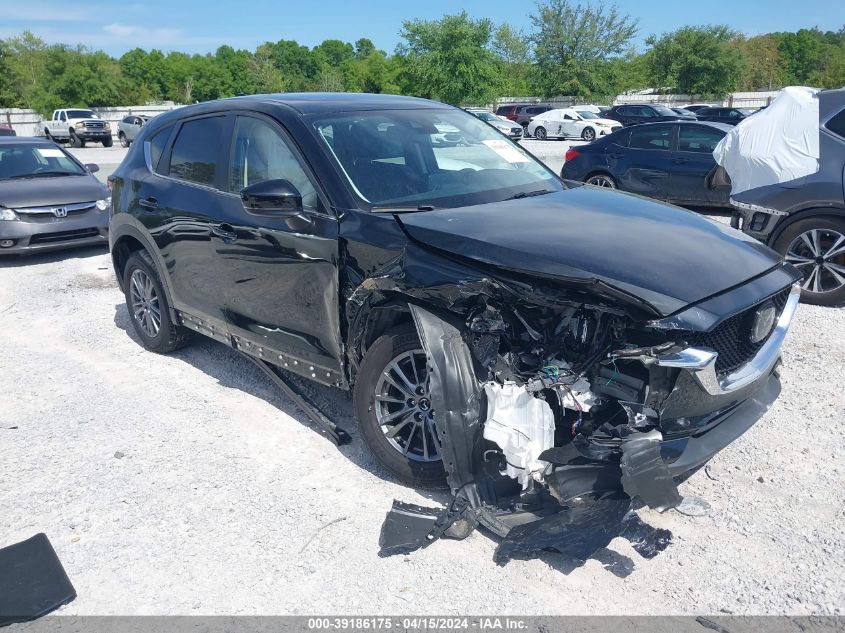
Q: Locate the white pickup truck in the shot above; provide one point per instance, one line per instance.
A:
(77, 126)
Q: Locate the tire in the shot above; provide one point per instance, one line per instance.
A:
(168, 336)
(108, 141)
(121, 137)
(48, 136)
(602, 180)
(540, 133)
(75, 141)
(824, 272)
(588, 134)
(401, 343)
(525, 133)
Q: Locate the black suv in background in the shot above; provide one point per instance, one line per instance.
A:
(634, 113)
(523, 113)
(729, 116)
(471, 300)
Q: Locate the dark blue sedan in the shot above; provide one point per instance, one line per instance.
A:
(671, 161)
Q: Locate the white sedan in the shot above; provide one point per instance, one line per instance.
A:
(567, 123)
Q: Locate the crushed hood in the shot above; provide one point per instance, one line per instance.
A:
(663, 255)
(42, 192)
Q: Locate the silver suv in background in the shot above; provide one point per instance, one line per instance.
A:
(128, 128)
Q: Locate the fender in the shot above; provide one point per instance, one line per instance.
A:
(795, 216)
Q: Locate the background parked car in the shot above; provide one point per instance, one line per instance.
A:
(633, 114)
(695, 107)
(509, 110)
(505, 126)
(48, 199)
(6, 130)
(598, 119)
(129, 127)
(670, 161)
(589, 107)
(524, 114)
(729, 116)
(686, 115)
(567, 123)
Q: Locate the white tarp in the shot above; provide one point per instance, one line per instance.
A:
(775, 145)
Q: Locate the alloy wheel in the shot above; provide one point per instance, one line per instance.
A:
(145, 305)
(601, 181)
(589, 134)
(820, 255)
(403, 407)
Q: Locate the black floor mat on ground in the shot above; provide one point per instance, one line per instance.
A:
(32, 581)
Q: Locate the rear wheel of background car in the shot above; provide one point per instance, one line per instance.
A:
(816, 247)
(108, 141)
(540, 133)
(602, 180)
(148, 308)
(75, 141)
(588, 134)
(122, 138)
(47, 134)
(525, 133)
(393, 406)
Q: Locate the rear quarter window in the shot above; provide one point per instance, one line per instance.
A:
(836, 124)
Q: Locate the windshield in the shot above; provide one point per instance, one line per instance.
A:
(586, 114)
(430, 158)
(32, 161)
(80, 114)
(663, 110)
(487, 116)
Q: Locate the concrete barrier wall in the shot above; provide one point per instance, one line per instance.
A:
(30, 123)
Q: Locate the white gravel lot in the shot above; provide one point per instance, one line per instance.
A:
(186, 484)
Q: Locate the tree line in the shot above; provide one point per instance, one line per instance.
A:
(583, 50)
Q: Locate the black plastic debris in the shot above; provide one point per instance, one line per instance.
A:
(32, 581)
(408, 527)
(645, 474)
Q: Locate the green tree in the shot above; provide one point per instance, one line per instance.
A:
(763, 68)
(696, 60)
(514, 50)
(569, 39)
(450, 59)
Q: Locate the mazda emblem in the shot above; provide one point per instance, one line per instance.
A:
(764, 321)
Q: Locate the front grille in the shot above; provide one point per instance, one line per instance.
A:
(63, 236)
(94, 125)
(731, 338)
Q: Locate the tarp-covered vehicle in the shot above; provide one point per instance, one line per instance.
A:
(787, 168)
(547, 351)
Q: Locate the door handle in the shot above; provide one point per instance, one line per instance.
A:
(679, 160)
(149, 204)
(225, 231)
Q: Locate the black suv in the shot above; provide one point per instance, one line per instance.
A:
(729, 116)
(512, 336)
(634, 113)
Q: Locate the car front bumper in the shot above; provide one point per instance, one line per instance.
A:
(54, 233)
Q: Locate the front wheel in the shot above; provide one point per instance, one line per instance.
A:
(392, 402)
(123, 141)
(75, 141)
(602, 180)
(47, 135)
(540, 133)
(108, 141)
(588, 134)
(816, 247)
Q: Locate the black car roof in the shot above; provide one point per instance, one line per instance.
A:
(25, 140)
(720, 126)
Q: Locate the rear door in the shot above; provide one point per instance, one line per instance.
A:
(692, 163)
(280, 272)
(644, 167)
(183, 209)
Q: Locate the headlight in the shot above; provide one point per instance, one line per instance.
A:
(104, 204)
(79, 125)
(7, 214)
(108, 126)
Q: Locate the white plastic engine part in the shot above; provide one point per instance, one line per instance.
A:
(578, 396)
(522, 426)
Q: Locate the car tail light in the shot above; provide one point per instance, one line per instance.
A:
(570, 154)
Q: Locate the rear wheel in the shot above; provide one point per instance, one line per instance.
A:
(816, 247)
(602, 180)
(122, 138)
(540, 133)
(588, 134)
(392, 402)
(47, 134)
(148, 307)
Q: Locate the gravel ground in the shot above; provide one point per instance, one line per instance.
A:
(186, 484)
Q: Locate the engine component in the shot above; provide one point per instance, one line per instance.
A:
(522, 426)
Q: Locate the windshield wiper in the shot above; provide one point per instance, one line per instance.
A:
(529, 194)
(391, 209)
(45, 173)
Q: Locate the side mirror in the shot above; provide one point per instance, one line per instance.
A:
(92, 167)
(272, 197)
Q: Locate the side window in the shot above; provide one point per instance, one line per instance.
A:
(645, 111)
(127, 119)
(651, 138)
(259, 153)
(625, 111)
(698, 139)
(62, 116)
(195, 151)
(157, 145)
(837, 124)
(733, 114)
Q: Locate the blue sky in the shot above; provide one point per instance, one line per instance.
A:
(202, 25)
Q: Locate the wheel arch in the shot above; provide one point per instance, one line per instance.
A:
(599, 171)
(803, 214)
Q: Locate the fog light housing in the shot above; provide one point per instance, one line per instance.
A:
(7, 243)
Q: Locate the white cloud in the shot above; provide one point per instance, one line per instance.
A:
(152, 36)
